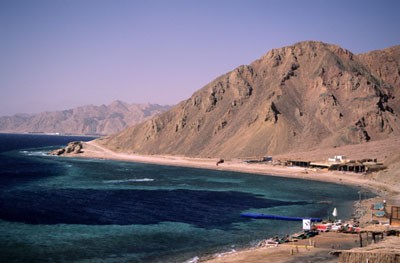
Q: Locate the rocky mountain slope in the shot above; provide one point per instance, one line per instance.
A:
(104, 119)
(306, 96)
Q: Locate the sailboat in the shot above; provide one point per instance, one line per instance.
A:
(334, 213)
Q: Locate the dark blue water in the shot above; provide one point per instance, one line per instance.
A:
(55, 209)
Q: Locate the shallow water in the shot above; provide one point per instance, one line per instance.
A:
(65, 209)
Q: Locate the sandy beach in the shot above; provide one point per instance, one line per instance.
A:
(301, 251)
(292, 252)
(94, 150)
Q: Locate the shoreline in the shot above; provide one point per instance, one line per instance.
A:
(280, 253)
(92, 150)
(51, 134)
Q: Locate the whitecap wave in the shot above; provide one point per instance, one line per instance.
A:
(218, 255)
(34, 153)
(193, 260)
(128, 181)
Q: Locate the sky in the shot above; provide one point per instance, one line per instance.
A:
(60, 54)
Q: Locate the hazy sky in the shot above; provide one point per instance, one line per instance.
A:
(61, 54)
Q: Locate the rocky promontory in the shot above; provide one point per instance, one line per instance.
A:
(72, 147)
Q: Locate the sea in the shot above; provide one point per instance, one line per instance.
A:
(59, 209)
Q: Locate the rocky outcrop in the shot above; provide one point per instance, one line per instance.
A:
(301, 97)
(89, 120)
(72, 148)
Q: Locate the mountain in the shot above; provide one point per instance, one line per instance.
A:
(306, 96)
(385, 65)
(83, 120)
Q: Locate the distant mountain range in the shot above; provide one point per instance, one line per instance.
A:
(305, 96)
(88, 120)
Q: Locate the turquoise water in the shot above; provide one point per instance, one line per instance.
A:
(55, 209)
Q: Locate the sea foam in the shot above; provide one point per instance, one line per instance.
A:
(34, 153)
(128, 181)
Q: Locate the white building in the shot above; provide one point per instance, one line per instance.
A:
(337, 159)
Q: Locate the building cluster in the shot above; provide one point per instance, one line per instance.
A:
(336, 163)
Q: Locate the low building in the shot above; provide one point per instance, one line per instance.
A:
(337, 159)
(298, 163)
(395, 216)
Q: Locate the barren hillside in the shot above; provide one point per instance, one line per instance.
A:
(90, 119)
(298, 98)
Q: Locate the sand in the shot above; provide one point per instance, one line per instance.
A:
(93, 150)
(300, 251)
(291, 252)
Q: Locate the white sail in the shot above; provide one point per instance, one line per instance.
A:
(334, 213)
